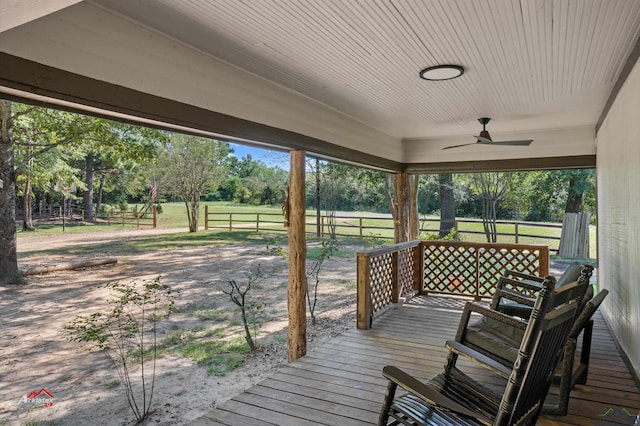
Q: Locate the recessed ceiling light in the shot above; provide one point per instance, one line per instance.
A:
(441, 72)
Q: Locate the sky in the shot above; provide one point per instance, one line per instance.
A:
(270, 157)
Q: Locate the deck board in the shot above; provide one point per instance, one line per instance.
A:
(340, 382)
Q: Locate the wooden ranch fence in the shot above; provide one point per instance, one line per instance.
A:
(373, 226)
(390, 275)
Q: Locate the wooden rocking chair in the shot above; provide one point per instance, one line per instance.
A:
(494, 340)
(453, 398)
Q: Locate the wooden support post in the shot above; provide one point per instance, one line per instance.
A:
(543, 268)
(401, 206)
(206, 217)
(257, 222)
(363, 302)
(230, 221)
(414, 220)
(296, 295)
(360, 227)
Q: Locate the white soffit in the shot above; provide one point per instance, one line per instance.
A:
(90, 41)
(14, 13)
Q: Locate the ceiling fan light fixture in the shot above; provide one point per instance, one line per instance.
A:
(441, 72)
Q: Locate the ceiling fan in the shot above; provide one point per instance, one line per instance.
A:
(485, 138)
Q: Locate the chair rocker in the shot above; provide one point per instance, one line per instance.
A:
(453, 398)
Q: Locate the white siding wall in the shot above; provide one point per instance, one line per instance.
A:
(618, 171)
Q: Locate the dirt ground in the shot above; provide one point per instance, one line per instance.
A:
(35, 352)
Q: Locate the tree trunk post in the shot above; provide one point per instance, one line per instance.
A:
(414, 219)
(296, 295)
(318, 225)
(401, 207)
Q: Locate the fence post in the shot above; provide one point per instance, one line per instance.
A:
(206, 217)
(230, 221)
(138, 220)
(363, 296)
(516, 232)
(122, 213)
(322, 226)
(155, 216)
(257, 222)
(360, 227)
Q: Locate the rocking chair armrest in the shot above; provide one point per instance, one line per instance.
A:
(470, 307)
(479, 358)
(490, 313)
(428, 394)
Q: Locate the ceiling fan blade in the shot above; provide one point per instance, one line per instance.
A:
(458, 146)
(512, 143)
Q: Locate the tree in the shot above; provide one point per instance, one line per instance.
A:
(8, 244)
(39, 133)
(579, 181)
(447, 204)
(188, 167)
(492, 187)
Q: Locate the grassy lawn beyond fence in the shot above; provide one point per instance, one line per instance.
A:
(374, 229)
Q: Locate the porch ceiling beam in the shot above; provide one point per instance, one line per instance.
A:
(518, 164)
(14, 13)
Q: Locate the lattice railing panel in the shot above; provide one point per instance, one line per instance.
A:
(380, 279)
(407, 270)
(473, 269)
(450, 269)
(494, 261)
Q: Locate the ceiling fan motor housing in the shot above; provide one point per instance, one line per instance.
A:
(485, 134)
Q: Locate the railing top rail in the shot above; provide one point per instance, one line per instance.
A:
(390, 249)
(472, 244)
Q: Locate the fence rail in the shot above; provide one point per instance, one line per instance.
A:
(127, 217)
(380, 226)
(390, 274)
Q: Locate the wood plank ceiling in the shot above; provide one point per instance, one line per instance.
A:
(531, 65)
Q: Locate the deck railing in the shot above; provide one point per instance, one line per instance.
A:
(389, 275)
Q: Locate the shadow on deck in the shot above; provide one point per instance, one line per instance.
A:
(340, 382)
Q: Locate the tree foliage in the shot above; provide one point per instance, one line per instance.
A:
(188, 167)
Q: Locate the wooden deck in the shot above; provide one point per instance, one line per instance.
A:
(340, 382)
